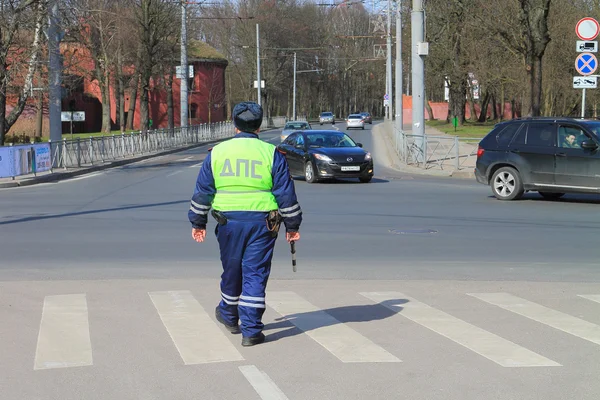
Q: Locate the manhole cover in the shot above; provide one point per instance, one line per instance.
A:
(412, 231)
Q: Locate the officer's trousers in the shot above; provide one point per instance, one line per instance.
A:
(246, 252)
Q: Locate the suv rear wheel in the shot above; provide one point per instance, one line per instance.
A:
(506, 184)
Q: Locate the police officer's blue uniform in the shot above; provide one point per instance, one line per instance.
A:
(245, 240)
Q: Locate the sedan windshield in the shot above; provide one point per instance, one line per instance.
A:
(298, 125)
(330, 140)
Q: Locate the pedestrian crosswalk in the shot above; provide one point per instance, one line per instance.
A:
(66, 339)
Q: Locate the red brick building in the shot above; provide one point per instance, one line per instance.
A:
(207, 100)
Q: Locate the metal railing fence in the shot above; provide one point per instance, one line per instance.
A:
(443, 152)
(95, 150)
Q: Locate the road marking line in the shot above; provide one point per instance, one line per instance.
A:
(482, 342)
(547, 316)
(196, 165)
(196, 336)
(64, 336)
(592, 297)
(185, 159)
(174, 173)
(81, 177)
(338, 338)
(262, 383)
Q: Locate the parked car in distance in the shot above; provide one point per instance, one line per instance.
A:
(326, 117)
(552, 156)
(355, 121)
(321, 154)
(293, 126)
(367, 117)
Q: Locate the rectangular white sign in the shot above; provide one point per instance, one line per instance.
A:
(65, 116)
(584, 82)
(178, 72)
(587, 46)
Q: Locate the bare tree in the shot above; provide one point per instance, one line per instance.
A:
(15, 23)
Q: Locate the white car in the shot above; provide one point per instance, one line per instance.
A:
(293, 126)
(355, 121)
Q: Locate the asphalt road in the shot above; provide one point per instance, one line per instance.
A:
(407, 287)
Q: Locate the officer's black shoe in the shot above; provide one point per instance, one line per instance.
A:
(230, 328)
(253, 340)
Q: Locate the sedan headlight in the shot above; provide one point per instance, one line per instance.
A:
(368, 156)
(322, 157)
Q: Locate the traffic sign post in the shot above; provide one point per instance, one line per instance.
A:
(586, 63)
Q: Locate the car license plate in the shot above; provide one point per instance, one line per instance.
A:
(350, 168)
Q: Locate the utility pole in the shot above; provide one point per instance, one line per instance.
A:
(399, 104)
(258, 64)
(419, 49)
(183, 96)
(294, 110)
(388, 65)
(55, 74)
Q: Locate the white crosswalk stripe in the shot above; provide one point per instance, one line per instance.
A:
(64, 336)
(547, 316)
(592, 297)
(64, 330)
(493, 347)
(338, 338)
(197, 337)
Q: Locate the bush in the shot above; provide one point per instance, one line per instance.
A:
(21, 138)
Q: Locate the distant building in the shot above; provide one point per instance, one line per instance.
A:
(206, 99)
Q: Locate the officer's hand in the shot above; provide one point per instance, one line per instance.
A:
(198, 234)
(292, 236)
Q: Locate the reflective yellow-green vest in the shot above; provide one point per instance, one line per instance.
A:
(242, 171)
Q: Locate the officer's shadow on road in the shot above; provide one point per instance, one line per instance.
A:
(308, 321)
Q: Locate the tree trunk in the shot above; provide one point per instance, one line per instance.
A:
(502, 102)
(40, 114)
(494, 108)
(144, 97)
(105, 89)
(429, 110)
(133, 89)
(484, 107)
(3, 78)
(536, 87)
(170, 111)
(458, 92)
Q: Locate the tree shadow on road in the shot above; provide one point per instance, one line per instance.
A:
(88, 212)
(312, 320)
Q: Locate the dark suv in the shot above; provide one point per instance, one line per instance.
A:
(553, 156)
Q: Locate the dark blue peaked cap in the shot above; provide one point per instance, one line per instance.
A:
(247, 116)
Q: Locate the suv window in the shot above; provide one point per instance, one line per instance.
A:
(537, 134)
(505, 135)
(570, 137)
(541, 135)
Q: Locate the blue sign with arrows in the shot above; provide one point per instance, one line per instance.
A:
(586, 63)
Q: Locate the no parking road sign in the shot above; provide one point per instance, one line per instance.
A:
(586, 64)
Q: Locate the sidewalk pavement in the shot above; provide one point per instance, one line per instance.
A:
(441, 153)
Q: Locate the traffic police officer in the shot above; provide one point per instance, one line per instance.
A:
(247, 183)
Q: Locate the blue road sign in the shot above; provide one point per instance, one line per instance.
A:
(586, 63)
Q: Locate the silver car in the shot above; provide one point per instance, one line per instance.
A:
(326, 117)
(294, 126)
(355, 121)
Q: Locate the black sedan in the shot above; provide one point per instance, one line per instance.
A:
(326, 154)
